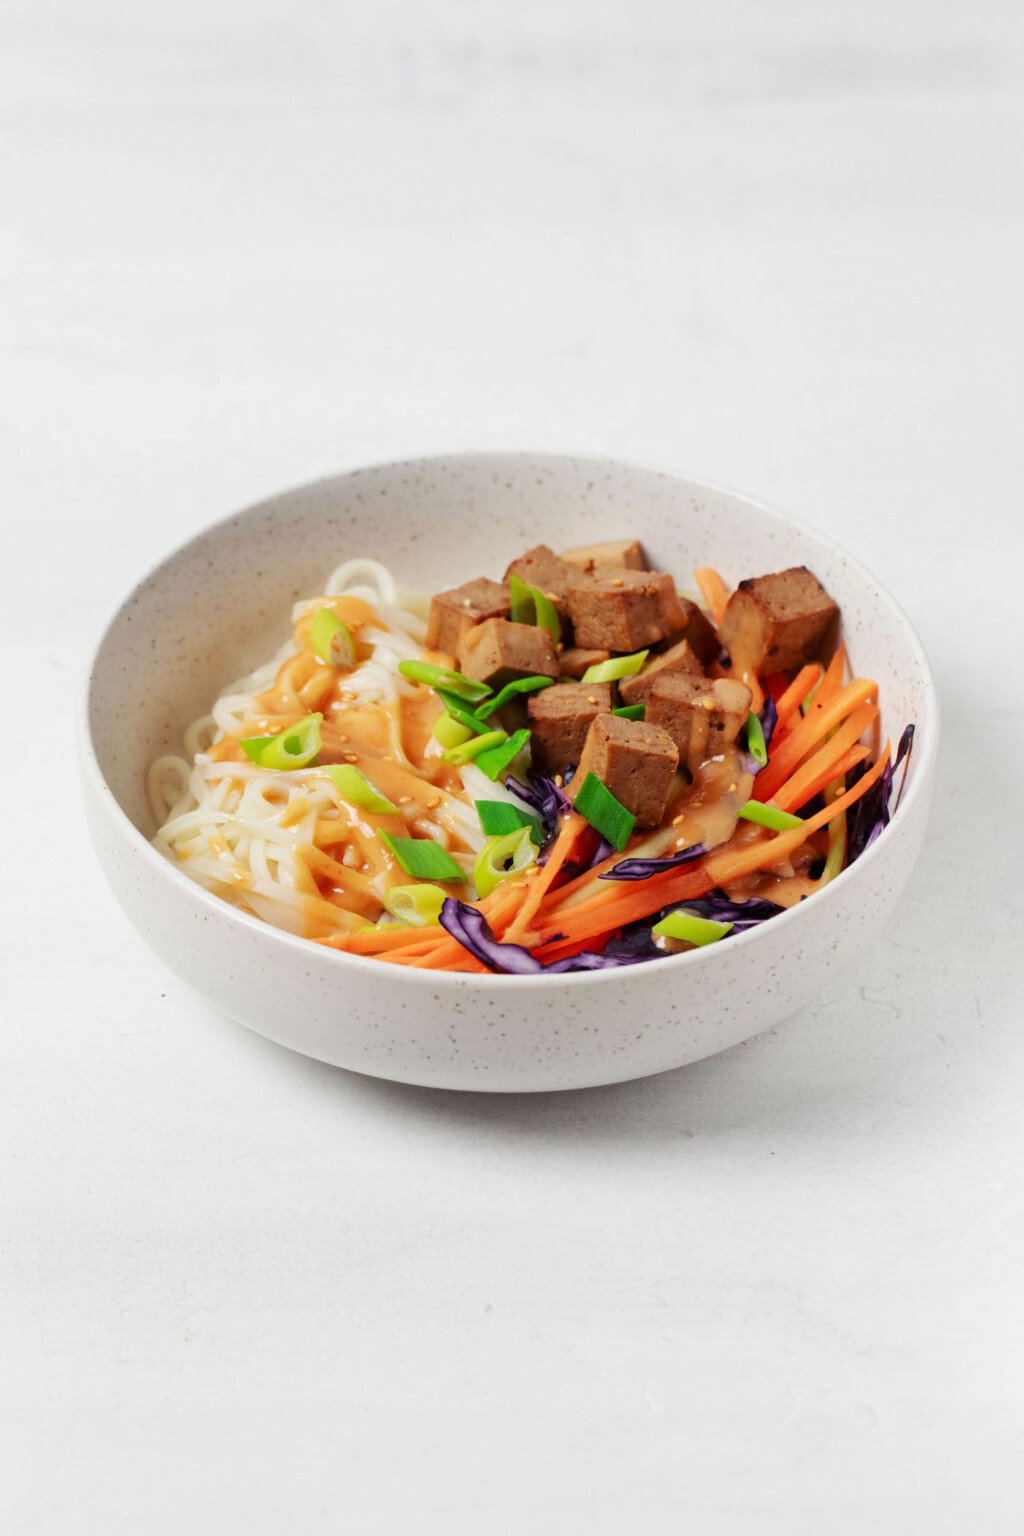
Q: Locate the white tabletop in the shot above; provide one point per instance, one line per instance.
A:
(778, 1292)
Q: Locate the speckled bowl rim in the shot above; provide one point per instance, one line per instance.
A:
(925, 740)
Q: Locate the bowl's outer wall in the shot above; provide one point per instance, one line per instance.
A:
(221, 604)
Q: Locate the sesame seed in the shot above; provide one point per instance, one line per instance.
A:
(404, 799)
(677, 821)
(617, 581)
(432, 805)
(591, 698)
(559, 781)
(732, 789)
(708, 703)
(351, 757)
(467, 602)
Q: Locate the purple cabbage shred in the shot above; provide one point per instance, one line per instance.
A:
(469, 926)
(639, 869)
(866, 820)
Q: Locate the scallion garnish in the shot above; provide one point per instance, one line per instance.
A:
(681, 924)
(631, 711)
(460, 711)
(449, 732)
(512, 690)
(423, 859)
(417, 905)
(769, 816)
(755, 740)
(253, 746)
(495, 760)
(529, 605)
(294, 748)
(331, 640)
(444, 677)
(468, 750)
(606, 815)
(617, 666)
(356, 788)
(498, 817)
(502, 857)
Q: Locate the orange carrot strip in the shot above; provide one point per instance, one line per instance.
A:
(713, 590)
(813, 727)
(605, 913)
(826, 777)
(571, 829)
(798, 690)
(833, 679)
(724, 867)
(792, 792)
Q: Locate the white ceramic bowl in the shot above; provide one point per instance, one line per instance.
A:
(221, 604)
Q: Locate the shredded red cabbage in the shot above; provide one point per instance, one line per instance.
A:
(469, 926)
(639, 869)
(769, 718)
(872, 812)
(545, 798)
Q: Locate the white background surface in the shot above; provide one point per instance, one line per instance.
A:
(244, 245)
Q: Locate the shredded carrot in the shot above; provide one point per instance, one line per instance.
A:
(833, 679)
(799, 688)
(816, 724)
(571, 828)
(822, 780)
(713, 590)
(793, 792)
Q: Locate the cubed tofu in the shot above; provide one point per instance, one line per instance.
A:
(497, 651)
(453, 613)
(778, 622)
(575, 661)
(542, 568)
(625, 612)
(559, 720)
(636, 761)
(702, 717)
(700, 632)
(678, 658)
(607, 559)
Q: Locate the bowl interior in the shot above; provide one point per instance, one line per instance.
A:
(220, 605)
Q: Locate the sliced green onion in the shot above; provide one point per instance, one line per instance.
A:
(332, 640)
(501, 857)
(606, 815)
(498, 817)
(472, 748)
(681, 924)
(423, 859)
(253, 746)
(631, 711)
(494, 761)
(768, 816)
(418, 905)
(617, 666)
(755, 740)
(294, 748)
(511, 690)
(460, 711)
(449, 732)
(444, 677)
(529, 605)
(356, 788)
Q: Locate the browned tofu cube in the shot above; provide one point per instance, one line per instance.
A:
(702, 717)
(575, 661)
(678, 658)
(633, 759)
(607, 559)
(778, 622)
(625, 612)
(560, 718)
(453, 613)
(542, 568)
(497, 651)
